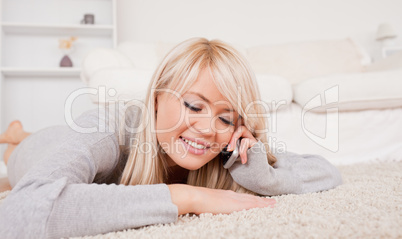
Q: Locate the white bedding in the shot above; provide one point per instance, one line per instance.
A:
(364, 136)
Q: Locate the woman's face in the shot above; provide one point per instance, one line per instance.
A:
(193, 128)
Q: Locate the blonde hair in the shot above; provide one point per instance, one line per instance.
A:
(178, 71)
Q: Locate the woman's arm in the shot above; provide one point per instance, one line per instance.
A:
(292, 173)
(193, 199)
(55, 197)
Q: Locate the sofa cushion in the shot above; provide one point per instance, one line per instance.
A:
(275, 91)
(145, 56)
(303, 60)
(392, 62)
(356, 91)
(121, 83)
(101, 58)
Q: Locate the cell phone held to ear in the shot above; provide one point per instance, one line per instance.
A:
(228, 158)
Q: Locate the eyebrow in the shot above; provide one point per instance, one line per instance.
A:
(206, 100)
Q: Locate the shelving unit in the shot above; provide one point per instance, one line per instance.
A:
(37, 72)
(31, 80)
(26, 28)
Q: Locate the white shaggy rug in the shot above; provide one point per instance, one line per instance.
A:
(367, 205)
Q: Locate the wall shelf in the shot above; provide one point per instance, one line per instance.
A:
(31, 81)
(40, 72)
(27, 28)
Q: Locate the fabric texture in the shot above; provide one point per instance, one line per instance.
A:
(393, 62)
(275, 90)
(299, 61)
(64, 182)
(102, 58)
(356, 91)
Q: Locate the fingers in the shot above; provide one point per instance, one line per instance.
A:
(227, 201)
(244, 145)
(241, 131)
(257, 201)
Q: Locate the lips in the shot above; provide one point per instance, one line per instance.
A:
(193, 150)
(207, 145)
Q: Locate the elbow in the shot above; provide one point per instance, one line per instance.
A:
(25, 211)
(17, 220)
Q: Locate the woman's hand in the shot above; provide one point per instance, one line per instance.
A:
(247, 142)
(193, 199)
(217, 201)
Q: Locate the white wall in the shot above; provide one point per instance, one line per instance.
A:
(257, 22)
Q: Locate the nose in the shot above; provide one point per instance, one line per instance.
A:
(203, 126)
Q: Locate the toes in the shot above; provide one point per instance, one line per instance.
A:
(3, 139)
(16, 124)
(12, 133)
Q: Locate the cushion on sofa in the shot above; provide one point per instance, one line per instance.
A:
(392, 62)
(356, 91)
(101, 58)
(145, 56)
(120, 83)
(275, 91)
(303, 60)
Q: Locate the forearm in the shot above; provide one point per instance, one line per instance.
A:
(196, 199)
(292, 173)
(57, 209)
(183, 197)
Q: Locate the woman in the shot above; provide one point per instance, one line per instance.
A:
(153, 162)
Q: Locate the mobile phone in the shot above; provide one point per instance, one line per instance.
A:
(228, 158)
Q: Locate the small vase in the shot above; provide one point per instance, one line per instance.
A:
(66, 61)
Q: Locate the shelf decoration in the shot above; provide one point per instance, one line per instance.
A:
(66, 46)
(88, 19)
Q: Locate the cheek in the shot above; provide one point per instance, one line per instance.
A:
(168, 118)
(221, 141)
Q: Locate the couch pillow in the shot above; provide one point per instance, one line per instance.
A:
(275, 90)
(100, 58)
(348, 92)
(304, 60)
(363, 53)
(121, 83)
(392, 62)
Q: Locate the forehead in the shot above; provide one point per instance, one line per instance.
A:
(205, 88)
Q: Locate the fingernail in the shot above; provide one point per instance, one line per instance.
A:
(229, 147)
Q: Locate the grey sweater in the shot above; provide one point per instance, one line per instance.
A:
(64, 182)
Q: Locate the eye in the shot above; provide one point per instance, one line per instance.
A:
(191, 107)
(226, 121)
(195, 109)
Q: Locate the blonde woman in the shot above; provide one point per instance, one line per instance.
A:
(143, 164)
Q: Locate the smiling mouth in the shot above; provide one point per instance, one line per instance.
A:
(194, 144)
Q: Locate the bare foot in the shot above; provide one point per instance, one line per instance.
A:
(9, 150)
(14, 133)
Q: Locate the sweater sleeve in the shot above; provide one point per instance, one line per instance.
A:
(291, 174)
(56, 196)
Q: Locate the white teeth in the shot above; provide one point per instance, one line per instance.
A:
(194, 144)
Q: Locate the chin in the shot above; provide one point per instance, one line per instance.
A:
(190, 166)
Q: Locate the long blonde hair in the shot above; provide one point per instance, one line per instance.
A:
(178, 71)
